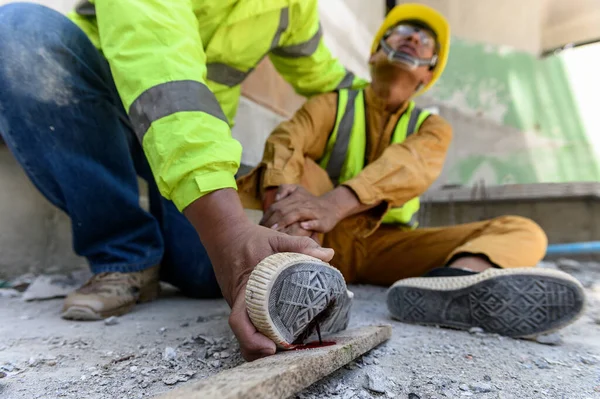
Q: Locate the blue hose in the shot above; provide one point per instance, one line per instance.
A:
(574, 248)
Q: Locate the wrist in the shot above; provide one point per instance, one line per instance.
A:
(216, 216)
(344, 200)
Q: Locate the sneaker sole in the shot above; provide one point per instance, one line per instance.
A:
(286, 292)
(516, 303)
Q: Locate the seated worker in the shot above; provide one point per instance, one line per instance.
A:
(348, 169)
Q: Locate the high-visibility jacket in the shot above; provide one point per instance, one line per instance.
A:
(344, 155)
(178, 66)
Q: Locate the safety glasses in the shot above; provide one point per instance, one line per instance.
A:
(426, 37)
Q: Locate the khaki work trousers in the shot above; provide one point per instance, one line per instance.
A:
(391, 253)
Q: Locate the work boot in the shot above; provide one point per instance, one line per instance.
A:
(111, 294)
(520, 303)
(292, 298)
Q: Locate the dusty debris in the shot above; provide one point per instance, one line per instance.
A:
(375, 381)
(589, 360)
(541, 363)
(169, 353)
(481, 387)
(111, 321)
(568, 265)
(463, 387)
(55, 286)
(22, 282)
(550, 339)
(9, 293)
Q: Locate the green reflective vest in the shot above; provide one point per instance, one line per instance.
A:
(344, 155)
(178, 67)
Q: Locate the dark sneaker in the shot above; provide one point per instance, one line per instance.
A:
(512, 302)
(290, 295)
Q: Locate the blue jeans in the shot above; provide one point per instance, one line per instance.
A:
(62, 118)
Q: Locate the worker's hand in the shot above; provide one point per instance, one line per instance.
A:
(294, 205)
(235, 246)
(252, 244)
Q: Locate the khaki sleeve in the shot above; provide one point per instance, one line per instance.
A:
(305, 135)
(405, 170)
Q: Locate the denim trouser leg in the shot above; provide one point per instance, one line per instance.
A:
(63, 120)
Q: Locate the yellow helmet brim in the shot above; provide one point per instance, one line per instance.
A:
(431, 18)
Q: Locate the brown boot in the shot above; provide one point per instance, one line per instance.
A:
(111, 294)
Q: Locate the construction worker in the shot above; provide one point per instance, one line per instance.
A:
(352, 164)
(121, 89)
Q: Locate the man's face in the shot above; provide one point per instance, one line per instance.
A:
(414, 40)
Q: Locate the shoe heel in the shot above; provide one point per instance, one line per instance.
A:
(258, 293)
(149, 293)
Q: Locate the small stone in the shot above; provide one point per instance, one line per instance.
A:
(169, 354)
(51, 363)
(184, 324)
(541, 363)
(204, 339)
(162, 330)
(8, 367)
(481, 387)
(2, 374)
(216, 363)
(25, 317)
(170, 379)
(95, 374)
(374, 383)
(83, 377)
(33, 362)
(476, 330)
(487, 378)
(225, 355)
(111, 321)
(413, 396)
(133, 369)
(463, 387)
(590, 361)
(549, 339)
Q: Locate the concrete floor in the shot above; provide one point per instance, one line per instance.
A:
(175, 339)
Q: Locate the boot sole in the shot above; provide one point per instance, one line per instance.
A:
(516, 303)
(86, 313)
(286, 292)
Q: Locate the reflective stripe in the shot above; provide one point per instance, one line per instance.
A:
(85, 8)
(340, 148)
(301, 49)
(347, 81)
(412, 122)
(284, 21)
(225, 74)
(229, 76)
(168, 98)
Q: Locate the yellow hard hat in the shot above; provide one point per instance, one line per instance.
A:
(430, 17)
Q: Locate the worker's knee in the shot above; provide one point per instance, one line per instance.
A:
(36, 53)
(527, 232)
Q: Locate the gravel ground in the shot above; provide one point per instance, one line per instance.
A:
(175, 339)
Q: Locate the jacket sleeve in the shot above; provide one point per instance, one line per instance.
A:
(405, 170)
(157, 60)
(305, 135)
(303, 59)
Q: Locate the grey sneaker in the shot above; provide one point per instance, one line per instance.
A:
(289, 296)
(512, 302)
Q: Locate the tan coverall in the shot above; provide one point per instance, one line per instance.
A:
(367, 251)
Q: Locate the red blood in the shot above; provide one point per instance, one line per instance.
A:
(313, 345)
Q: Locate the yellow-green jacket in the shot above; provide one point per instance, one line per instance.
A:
(178, 66)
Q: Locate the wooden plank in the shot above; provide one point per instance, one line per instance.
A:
(285, 373)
